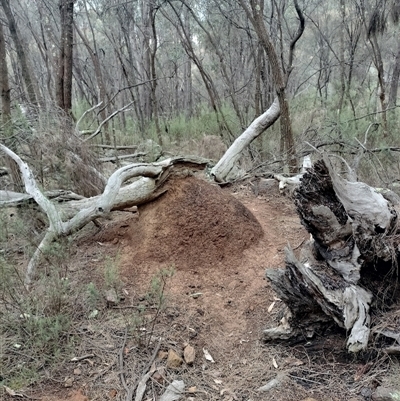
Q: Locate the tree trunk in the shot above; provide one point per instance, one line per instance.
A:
(23, 59)
(16, 180)
(94, 55)
(65, 60)
(256, 16)
(395, 79)
(4, 86)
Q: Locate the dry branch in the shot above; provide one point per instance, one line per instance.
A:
(69, 217)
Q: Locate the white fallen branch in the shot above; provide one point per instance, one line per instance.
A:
(65, 219)
(226, 169)
(83, 116)
(293, 182)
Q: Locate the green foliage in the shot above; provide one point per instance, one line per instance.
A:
(93, 295)
(34, 324)
(156, 292)
(112, 279)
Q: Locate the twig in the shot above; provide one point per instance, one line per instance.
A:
(84, 114)
(304, 379)
(106, 120)
(81, 358)
(115, 158)
(121, 362)
(370, 114)
(141, 385)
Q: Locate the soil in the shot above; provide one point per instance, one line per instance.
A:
(218, 242)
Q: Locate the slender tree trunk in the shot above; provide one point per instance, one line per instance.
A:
(381, 80)
(146, 58)
(395, 79)
(4, 85)
(65, 61)
(94, 55)
(257, 95)
(153, 82)
(187, 74)
(287, 141)
(342, 63)
(15, 174)
(29, 84)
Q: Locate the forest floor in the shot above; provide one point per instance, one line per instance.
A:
(190, 268)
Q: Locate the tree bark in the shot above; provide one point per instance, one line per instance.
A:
(6, 111)
(4, 85)
(395, 80)
(65, 60)
(23, 59)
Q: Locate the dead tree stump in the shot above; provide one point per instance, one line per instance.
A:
(351, 256)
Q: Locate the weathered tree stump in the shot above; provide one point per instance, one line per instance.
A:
(354, 245)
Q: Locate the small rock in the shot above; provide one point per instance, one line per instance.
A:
(69, 381)
(192, 390)
(162, 355)
(366, 392)
(189, 354)
(159, 375)
(383, 393)
(112, 297)
(280, 378)
(309, 399)
(77, 372)
(174, 361)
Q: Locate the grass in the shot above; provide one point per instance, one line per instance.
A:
(40, 328)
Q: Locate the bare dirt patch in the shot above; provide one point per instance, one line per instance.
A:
(219, 242)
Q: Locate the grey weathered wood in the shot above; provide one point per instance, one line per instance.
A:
(353, 228)
(69, 217)
(226, 169)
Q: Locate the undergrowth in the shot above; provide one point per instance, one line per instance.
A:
(40, 326)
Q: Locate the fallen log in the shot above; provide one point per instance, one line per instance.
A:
(68, 217)
(353, 247)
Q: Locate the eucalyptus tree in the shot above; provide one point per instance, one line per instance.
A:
(280, 68)
(376, 20)
(65, 59)
(16, 181)
(21, 52)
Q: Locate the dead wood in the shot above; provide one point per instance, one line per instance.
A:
(69, 217)
(354, 240)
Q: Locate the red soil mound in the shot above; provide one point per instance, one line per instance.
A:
(193, 225)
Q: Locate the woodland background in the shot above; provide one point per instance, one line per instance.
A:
(91, 85)
(176, 72)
